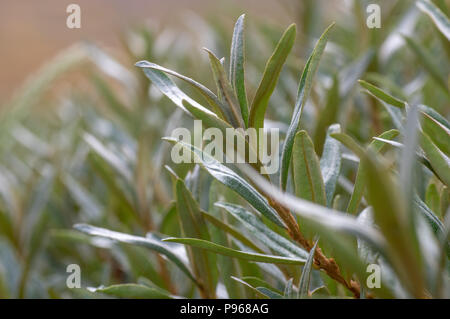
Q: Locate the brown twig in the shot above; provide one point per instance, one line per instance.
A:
(329, 265)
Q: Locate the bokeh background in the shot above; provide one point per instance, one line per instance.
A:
(32, 31)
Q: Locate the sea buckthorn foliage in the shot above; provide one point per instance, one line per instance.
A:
(358, 209)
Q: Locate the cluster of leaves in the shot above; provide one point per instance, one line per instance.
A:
(364, 173)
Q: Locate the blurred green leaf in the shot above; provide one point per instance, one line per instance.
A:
(258, 293)
(134, 291)
(34, 88)
(305, 278)
(438, 160)
(237, 61)
(152, 244)
(437, 132)
(382, 95)
(438, 17)
(226, 92)
(330, 162)
(327, 116)
(258, 282)
(435, 115)
(6, 226)
(223, 235)
(304, 89)
(270, 77)
(288, 289)
(112, 158)
(140, 264)
(445, 201)
(360, 182)
(428, 62)
(384, 197)
(352, 72)
(155, 74)
(192, 224)
(269, 293)
(430, 216)
(308, 179)
(432, 198)
(365, 252)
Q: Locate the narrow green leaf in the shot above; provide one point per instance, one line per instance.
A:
(232, 231)
(226, 92)
(438, 160)
(435, 115)
(305, 278)
(270, 77)
(115, 186)
(439, 18)
(37, 84)
(430, 217)
(419, 155)
(109, 156)
(388, 212)
(407, 161)
(257, 282)
(389, 215)
(428, 62)
(170, 89)
(6, 226)
(82, 196)
(152, 244)
(288, 289)
(137, 262)
(354, 71)
(350, 143)
(246, 284)
(36, 215)
(360, 182)
(132, 291)
(365, 252)
(387, 83)
(382, 95)
(308, 179)
(304, 89)
(263, 233)
(156, 74)
(112, 100)
(228, 266)
(193, 225)
(203, 244)
(269, 293)
(437, 132)
(330, 162)
(327, 116)
(237, 61)
(445, 201)
(232, 180)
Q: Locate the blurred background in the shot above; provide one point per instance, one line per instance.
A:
(31, 32)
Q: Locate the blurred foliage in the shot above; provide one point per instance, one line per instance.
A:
(81, 144)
